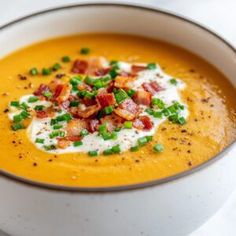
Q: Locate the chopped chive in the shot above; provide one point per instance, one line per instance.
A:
(149, 111)
(102, 129)
(113, 73)
(77, 143)
(74, 81)
(34, 71)
(149, 138)
(14, 103)
(23, 115)
(108, 110)
(115, 64)
(88, 80)
(84, 51)
(49, 147)
(56, 67)
(107, 151)
(173, 81)
(134, 148)
(65, 117)
(181, 120)
(142, 141)
(84, 132)
(47, 94)
(39, 108)
(120, 95)
(128, 124)
(93, 153)
(74, 103)
(151, 66)
(57, 133)
(57, 126)
(46, 71)
(17, 126)
(158, 148)
(157, 114)
(131, 92)
(65, 59)
(117, 129)
(108, 136)
(116, 149)
(39, 140)
(158, 102)
(24, 106)
(33, 99)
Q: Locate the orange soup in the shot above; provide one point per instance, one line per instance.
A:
(108, 110)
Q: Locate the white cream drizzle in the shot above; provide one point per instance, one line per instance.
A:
(126, 138)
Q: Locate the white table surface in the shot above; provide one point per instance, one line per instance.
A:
(219, 15)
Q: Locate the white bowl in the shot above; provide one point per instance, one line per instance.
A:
(173, 206)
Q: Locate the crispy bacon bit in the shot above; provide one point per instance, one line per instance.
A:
(54, 84)
(93, 125)
(41, 114)
(74, 127)
(146, 122)
(105, 99)
(110, 87)
(92, 66)
(95, 64)
(87, 112)
(137, 68)
(73, 138)
(102, 71)
(62, 92)
(80, 67)
(65, 104)
(41, 90)
(88, 101)
(142, 97)
(124, 82)
(143, 123)
(63, 143)
(127, 109)
(83, 86)
(112, 121)
(152, 87)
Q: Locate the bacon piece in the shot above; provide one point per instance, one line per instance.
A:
(105, 99)
(102, 71)
(73, 138)
(83, 86)
(63, 143)
(112, 121)
(74, 127)
(137, 68)
(96, 64)
(41, 90)
(143, 122)
(80, 67)
(87, 112)
(62, 92)
(152, 87)
(88, 101)
(127, 109)
(142, 97)
(92, 66)
(41, 114)
(123, 82)
(54, 84)
(93, 125)
(110, 87)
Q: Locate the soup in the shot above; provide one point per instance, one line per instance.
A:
(108, 110)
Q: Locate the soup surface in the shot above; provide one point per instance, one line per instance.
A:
(107, 110)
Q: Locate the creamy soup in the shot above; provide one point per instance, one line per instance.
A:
(108, 110)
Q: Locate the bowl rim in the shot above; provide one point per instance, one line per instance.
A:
(128, 187)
